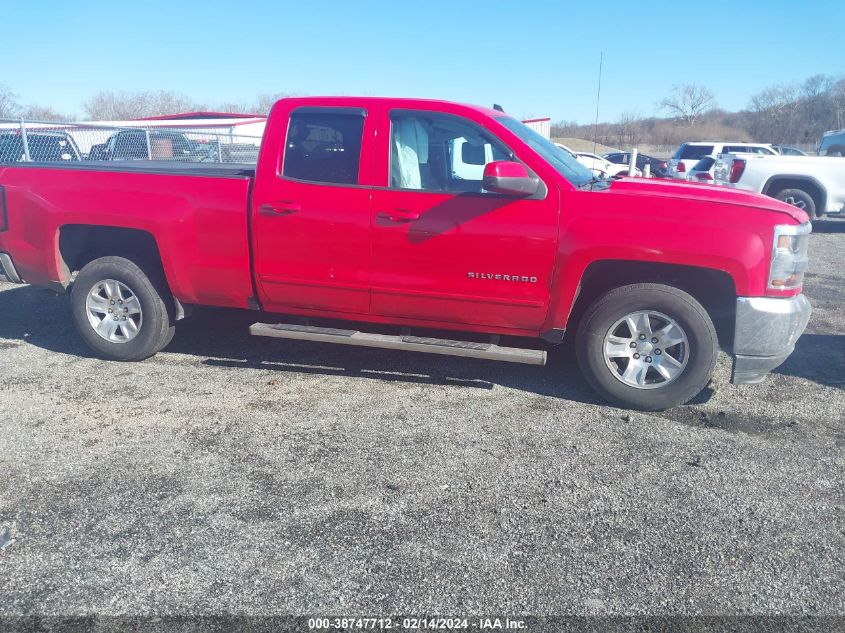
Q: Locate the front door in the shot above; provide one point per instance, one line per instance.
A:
(444, 249)
(311, 219)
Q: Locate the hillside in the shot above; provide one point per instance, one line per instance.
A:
(584, 145)
(790, 113)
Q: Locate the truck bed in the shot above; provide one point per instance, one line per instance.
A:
(197, 213)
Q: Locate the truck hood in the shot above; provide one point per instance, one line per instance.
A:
(718, 194)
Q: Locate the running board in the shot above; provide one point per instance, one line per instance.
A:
(467, 349)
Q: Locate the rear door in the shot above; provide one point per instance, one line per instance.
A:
(445, 250)
(311, 215)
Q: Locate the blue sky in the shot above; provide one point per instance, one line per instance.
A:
(536, 58)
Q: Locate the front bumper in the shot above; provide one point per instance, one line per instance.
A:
(7, 269)
(765, 334)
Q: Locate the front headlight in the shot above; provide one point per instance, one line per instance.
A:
(789, 256)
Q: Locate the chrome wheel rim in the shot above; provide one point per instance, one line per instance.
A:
(646, 350)
(114, 311)
(795, 203)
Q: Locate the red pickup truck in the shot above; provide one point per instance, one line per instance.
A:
(418, 217)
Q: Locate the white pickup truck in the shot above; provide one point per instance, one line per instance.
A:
(815, 184)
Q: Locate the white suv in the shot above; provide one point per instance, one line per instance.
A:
(688, 154)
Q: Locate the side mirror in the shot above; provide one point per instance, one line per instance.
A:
(509, 178)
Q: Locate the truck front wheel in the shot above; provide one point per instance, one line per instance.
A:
(647, 346)
(120, 310)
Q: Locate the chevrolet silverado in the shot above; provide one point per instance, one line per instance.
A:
(425, 226)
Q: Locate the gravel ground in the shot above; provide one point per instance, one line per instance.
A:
(253, 476)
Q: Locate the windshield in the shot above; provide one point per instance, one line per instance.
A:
(565, 164)
(692, 152)
(832, 145)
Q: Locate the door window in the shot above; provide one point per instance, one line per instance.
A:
(324, 147)
(437, 152)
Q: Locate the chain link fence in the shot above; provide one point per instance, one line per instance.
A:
(44, 141)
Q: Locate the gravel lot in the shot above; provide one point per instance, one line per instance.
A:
(247, 475)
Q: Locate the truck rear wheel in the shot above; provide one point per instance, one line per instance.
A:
(121, 310)
(798, 198)
(647, 346)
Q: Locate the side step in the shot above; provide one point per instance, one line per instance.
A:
(467, 349)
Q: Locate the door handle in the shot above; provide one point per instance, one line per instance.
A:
(278, 209)
(399, 215)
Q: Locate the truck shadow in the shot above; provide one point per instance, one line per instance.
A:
(220, 338)
(452, 213)
(817, 357)
(829, 226)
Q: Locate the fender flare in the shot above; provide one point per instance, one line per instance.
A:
(800, 178)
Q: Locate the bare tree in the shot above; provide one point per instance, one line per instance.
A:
(43, 113)
(260, 105)
(168, 102)
(816, 86)
(816, 97)
(265, 101)
(9, 106)
(688, 102)
(629, 129)
(837, 100)
(116, 106)
(566, 129)
(236, 107)
(775, 113)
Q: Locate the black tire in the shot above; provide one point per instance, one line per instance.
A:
(156, 326)
(798, 198)
(676, 304)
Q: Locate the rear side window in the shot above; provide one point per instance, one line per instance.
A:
(324, 146)
(694, 152)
